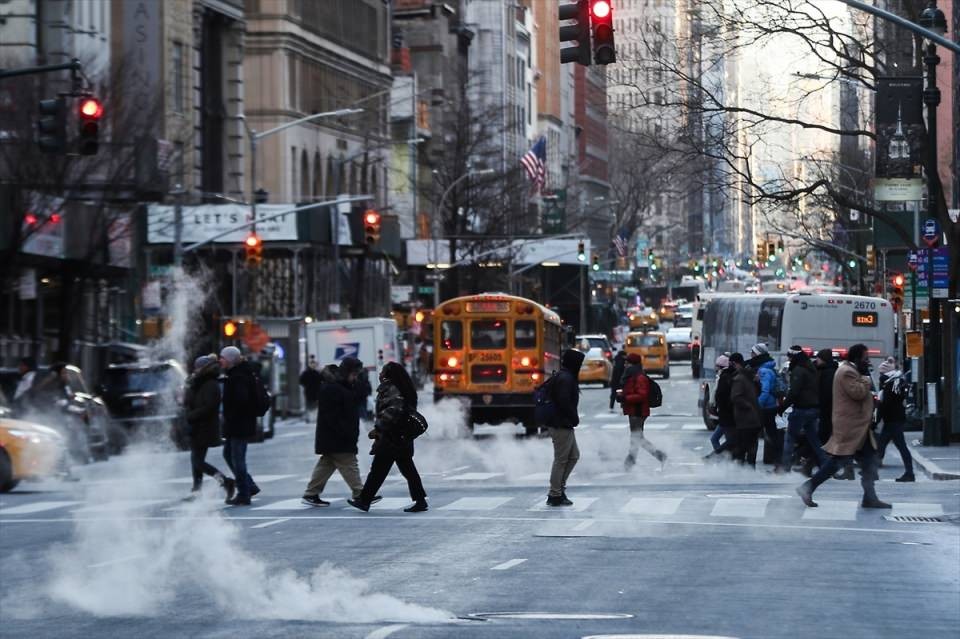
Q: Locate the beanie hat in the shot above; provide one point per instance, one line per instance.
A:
(722, 362)
(736, 358)
(759, 349)
(203, 361)
(634, 358)
(350, 365)
(231, 354)
(887, 366)
(825, 354)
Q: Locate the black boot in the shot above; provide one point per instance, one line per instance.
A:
(906, 477)
(230, 486)
(418, 506)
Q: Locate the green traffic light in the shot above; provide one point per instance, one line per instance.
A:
(852, 263)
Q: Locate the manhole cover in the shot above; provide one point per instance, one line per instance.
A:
(915, 519)
(554, 616)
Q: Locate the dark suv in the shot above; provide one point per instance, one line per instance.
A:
(146, 400)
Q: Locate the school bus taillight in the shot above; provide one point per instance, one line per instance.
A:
(452, 362)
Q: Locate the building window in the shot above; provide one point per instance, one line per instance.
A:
(178, 77)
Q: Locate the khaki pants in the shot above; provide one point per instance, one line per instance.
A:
(565, 456)
(346, 463)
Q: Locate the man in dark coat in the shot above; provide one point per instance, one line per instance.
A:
(616, 378)
(338, 429)
(566, 397)
(311, 381)
(239, 420)
(723, 407)
(804, 398)
(201, 400)
(746, 411)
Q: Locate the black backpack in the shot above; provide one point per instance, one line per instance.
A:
(544, 408)
(654, 394)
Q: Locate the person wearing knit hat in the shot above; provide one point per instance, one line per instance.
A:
(239, 420)
(721, 362)
(759, 349)
(722, 408)
(767, 399)
(231, 356)
(636, 405)
(201, 402)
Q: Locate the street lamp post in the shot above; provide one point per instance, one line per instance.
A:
(932, 19)
(433, 229)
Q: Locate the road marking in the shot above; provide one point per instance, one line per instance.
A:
(583, 525)
(568, 616)
(455, 470)
(621, 426)
(285, 435)
(652, 505)
(477, 503)
(272, 522)
(36, 507)
(387, 502)
(116, 561)
(617, 475)
(473, 476)
(507, 565)
(580, 504)
(386, 631)
(740, 508)
(833, 510)
(917, 510)
(291, 504)
(535, 477)
(121, 504)
(693, 427)
(656, 426)
(607, 416)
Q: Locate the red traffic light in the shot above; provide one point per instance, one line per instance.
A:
(29, 219)
(91, 108)
(898, 280)
(253, 240)
(600, 9)
(371, 217)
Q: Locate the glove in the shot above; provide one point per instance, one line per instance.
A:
(372, 434)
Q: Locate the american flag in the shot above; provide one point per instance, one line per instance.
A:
(535, 163)
(620, 242)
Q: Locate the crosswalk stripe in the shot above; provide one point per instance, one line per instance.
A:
(472, 476)
(607, 416)
(693, 427)
(477, 503)
(36, 507)
(535, 477)
(656, 426)
(508, 564)
(916, 510)
(387, 503)
(292, 504)
(652, 505)
(120, 504)
(272, 522)
(740, 508)
(580, 504)
(832, 510)
(621, 426)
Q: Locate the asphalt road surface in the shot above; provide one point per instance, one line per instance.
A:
(693, 548)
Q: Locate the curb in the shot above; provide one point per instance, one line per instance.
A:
(931, 468)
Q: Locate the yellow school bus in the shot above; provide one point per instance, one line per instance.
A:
(491, 350)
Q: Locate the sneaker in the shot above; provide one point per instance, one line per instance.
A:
(906, 477)
(359, 505)
(417, 507)
(806, 495)
(314, 500)
(230, 486)
(239, 501)
(558, 501)
(376, 498)
(254, 491)
(564, 500)
(875, 503)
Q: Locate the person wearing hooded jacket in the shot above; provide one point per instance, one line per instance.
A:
(338, 429)
(722, 407)
(566, 397)
(396, 399)
(803, 397)
(201, 401)
(636, 405)
(239, 420)
(891, 413)
(766, 369)
(746, 411)
(616, 377)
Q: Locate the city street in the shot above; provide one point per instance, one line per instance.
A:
(693, 549)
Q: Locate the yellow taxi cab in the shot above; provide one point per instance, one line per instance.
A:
(668, 311)
(643, 319)
(27, 451)
(596, 366)
(652, 347)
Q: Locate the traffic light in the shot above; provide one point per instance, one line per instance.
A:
(779, 246)
(871, 257)
(90, 112)
(771, 251)
(230, 329)
(578, 32)
(761, 253)
(52, 126)
(896, 291)
(601, 18)
(253, 247)
(581, 252)
(371, 226)
(596, 263)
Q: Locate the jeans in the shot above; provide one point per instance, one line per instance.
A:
(346, 463)
(721, 431)
(868, 469)
(235, 454)
(566, 453)
(802, 421)
(200, 467)
(893, 431)
(383, 461)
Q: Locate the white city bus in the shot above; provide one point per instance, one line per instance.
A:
(734, 323)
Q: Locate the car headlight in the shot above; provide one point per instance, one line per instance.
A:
(31, 437)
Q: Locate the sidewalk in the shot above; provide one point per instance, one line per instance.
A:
(938, 462)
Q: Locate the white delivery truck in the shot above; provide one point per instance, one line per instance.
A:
(372, 340)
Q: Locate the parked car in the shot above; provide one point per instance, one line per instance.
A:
(145, 400)
(652, 346)
(64, 402)
(679, 343)
(597, 365)
(27, 450)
